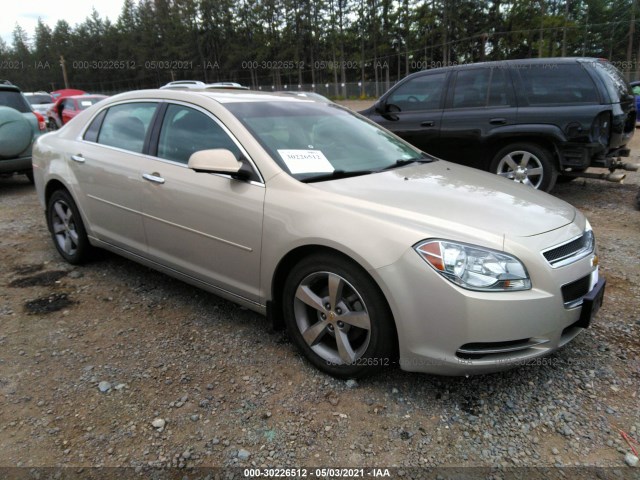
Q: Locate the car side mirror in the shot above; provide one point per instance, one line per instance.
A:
(217, 160)
(380, 107)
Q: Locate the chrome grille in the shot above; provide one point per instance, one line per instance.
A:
(570, 251)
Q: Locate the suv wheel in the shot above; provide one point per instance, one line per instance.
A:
(526, 163)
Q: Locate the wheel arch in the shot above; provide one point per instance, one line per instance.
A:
(54, 185)
(286, 263)
(497, 144)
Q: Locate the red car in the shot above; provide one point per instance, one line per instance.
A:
(68, 107)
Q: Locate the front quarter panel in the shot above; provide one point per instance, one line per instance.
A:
(298, 215)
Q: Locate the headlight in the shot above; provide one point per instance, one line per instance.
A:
(475, 268)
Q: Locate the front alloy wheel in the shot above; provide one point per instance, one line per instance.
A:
(336, 315)
(332, 318)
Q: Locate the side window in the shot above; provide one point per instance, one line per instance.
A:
(125, 126)
(69, 105)
(91, 135)
(420, 93)
(500, 91)
(186, 131)
(471, 88)
(554, 84)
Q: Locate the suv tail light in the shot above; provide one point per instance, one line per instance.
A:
(601, 129)
(42, 125)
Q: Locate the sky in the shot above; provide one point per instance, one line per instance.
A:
(27, 12)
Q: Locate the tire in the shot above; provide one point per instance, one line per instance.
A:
(526, 163)
(359, 316)
(16, 133)
(66, 227)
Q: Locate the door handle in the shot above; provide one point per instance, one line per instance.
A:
(153, 177)
(77, 158)
(428, 123)
(498, 121)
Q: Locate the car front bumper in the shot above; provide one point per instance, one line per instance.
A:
(445, 329)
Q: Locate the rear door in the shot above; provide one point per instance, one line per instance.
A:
(481, 102)
(108, 168)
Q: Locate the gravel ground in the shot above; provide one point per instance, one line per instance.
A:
(113, 364)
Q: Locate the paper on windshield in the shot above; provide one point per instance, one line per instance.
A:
(86, 103)
(306, 161)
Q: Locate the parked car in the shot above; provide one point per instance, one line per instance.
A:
(67, 108)
(225, 86)
(527, 120)
(307, 95)
(367, 249)
(181, 84)
(66, 92)
(19, 126)
(41, 102)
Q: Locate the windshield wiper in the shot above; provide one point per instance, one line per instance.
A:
(406, 161)
(335, 175)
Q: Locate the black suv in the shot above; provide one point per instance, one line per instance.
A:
(527, 120)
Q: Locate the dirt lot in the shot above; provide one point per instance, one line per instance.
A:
(224, 390)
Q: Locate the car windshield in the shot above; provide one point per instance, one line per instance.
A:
(86, 102)
(39, 99)
(13, 99)
(312, 140)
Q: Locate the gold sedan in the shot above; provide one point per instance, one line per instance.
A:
(369, 251)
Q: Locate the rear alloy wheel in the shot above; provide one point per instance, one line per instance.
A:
(338, 318)
(526, 163)
(67, 230)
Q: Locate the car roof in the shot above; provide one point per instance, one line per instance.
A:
(220, 95)
(6, 85)
(518, 61)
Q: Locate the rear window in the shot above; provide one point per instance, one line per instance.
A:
(616, 85)
(557, 84)
(39, 99)
(13, 99)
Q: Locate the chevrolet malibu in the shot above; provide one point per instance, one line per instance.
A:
(367, 250)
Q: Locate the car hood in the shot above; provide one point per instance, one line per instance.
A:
(445, 194)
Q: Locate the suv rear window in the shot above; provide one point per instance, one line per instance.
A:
(13, 99)
(553, 84)
(39, 99)
(613, 80)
